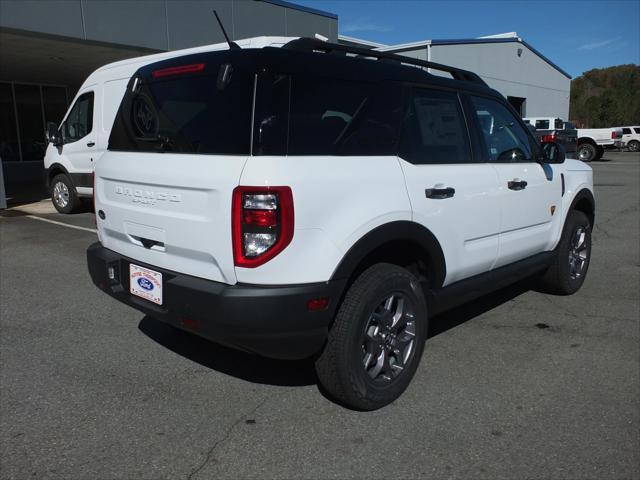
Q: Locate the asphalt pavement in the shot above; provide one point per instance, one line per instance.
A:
(517, 385)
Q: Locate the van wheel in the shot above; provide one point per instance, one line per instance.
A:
(63, 194)
(587, 152)
(566, 274)
(376, 341)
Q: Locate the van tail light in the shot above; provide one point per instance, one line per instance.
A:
(262, 224)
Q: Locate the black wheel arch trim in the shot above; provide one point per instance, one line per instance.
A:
(584, 195)
(402, 230)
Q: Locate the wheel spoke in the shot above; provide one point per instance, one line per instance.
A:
(399, 315)
(388, 303)
(377, 368)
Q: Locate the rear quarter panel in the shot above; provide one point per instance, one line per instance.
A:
(337, 200)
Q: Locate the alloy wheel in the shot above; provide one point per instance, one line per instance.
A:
(61, 194)
(388, 343)
(578, 250)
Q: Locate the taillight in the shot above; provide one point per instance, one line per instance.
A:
(615, 135)
(549, 138)
(262, 224)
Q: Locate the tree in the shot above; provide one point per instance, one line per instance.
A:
(606, 97)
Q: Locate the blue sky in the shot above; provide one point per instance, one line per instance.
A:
(576, 35)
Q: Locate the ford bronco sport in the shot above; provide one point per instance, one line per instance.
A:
(322, 200)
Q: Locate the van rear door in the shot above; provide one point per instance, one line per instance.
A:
(178, 145)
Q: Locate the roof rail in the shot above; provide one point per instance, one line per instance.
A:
(311, 45)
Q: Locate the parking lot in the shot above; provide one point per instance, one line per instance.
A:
(516, 385)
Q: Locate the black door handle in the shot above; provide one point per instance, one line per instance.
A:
(91, 144)
(517, 184)
(440, 193)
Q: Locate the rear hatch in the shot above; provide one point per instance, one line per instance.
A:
(176, 152)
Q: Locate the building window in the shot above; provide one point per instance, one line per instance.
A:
(9, 150)
(24, 111)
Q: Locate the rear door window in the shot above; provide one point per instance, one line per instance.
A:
(626, 131)
(301, 115)
(186, 110)
(434, 129)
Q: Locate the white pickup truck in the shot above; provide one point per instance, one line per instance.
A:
(593, 141)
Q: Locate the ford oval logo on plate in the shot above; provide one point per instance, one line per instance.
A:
(146, 284)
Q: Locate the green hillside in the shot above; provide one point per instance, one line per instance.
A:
(606, 97)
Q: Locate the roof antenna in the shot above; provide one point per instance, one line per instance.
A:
(232, 45)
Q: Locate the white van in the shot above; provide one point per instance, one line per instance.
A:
(82, 137)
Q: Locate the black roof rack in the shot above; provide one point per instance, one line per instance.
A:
(312, 44)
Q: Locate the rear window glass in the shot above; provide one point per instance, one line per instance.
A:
(189, 112)
(558, 124)
(542, 124)
(626, 131)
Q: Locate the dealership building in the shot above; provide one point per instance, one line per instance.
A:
(48, 48)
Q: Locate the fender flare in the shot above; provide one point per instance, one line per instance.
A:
(402, 230)
(584, 195)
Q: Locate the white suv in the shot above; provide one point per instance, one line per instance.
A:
(631, 138)
(300, 201)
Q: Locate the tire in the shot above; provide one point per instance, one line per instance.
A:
(366, 365)
(63, 194)
(587, 152)
(599, 153)
(566, 274)
(633, 146)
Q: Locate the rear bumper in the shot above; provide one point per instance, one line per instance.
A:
(272, 321)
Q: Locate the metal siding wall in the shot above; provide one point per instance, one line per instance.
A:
(302, 24)
(161, 24)
(62, 17)
(191, 22)
(545, 88)
(252, 19)
(141, 23)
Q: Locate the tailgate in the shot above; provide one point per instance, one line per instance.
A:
(177, 148)
(171, 211)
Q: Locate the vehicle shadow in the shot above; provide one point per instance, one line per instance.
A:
(256, 369)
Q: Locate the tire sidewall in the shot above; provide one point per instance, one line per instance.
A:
(400, 282)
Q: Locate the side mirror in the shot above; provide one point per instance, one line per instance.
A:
(53, 134)
(553, 152)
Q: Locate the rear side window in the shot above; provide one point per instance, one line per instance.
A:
(434, 129)
(190, 112)
(542, 124)
(558, 124)
(79, 122)
(626, 131)
(300, 115)
(637, 130)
